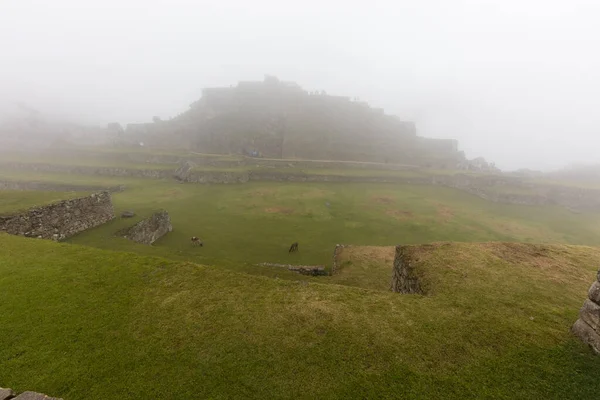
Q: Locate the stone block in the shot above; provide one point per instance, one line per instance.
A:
(587, 335)
(6, 394)
(34, 396)
(594, 293)
(590, 314)
(150, 229)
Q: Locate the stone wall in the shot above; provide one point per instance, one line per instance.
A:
(496, 188)
(149, 230)
(9, 394)
(89, 170)
(60, 220)
(404, 277)
(56, 187)
(337, 251)
(587, 327)
(187, 173)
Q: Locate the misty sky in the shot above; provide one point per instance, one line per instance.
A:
(515, 81)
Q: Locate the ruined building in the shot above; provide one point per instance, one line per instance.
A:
(277, 119)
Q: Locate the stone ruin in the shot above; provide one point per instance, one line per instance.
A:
(184, 171)
(313, 270)
(149, 230)
(61, 220)
(9, 394)
(404, 278)
(587, 327)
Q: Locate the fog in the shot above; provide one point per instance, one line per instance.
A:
(515, 81)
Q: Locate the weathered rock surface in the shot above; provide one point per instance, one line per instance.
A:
(404, 278)
(594, 293)
(587, 335)
(61, 220)
(6, 394)
(590, 314)
(127, 214)
(587, 327)
(34, 396)
(149, 230)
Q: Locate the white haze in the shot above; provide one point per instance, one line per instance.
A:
(515, 81)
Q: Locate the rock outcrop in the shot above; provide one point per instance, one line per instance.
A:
(149, 230)
(404, 278)
(61, 220)
(9, 394)
(587, 327)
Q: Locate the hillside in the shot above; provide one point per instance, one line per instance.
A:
(83, 323)
(279, 119)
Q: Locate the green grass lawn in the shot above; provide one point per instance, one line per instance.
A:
(243, 225)
(116, 319)
(12, 201)
(84, 323)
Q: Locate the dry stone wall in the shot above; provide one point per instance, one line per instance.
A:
(495, 188)
(56, 187)
(404, 278)
(587, 327)
(90, 170)
(149, 230)
(60, 220)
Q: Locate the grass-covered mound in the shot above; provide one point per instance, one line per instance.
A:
(83, 323)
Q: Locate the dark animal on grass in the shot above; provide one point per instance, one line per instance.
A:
(196, 241)
(294, 247)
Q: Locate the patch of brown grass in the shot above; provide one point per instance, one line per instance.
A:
(262, 192)
(383, 254)
(444, 213)
(383, 199)
(279, 210)
(399, 215)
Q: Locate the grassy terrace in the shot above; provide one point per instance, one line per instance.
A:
(83, 323)
(243, 225)
(102, 317)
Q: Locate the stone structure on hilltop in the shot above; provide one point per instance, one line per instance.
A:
(277, 119)
(149, 230)
(587, 327)
(60, 220)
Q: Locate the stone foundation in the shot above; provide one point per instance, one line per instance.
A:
(587, 327)
(314, 270)
(61, 220)
(149, 230)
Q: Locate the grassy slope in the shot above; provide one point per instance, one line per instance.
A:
(12, 201)
(84, 323)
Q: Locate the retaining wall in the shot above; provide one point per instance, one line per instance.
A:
(404, 277)
(60, 220)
